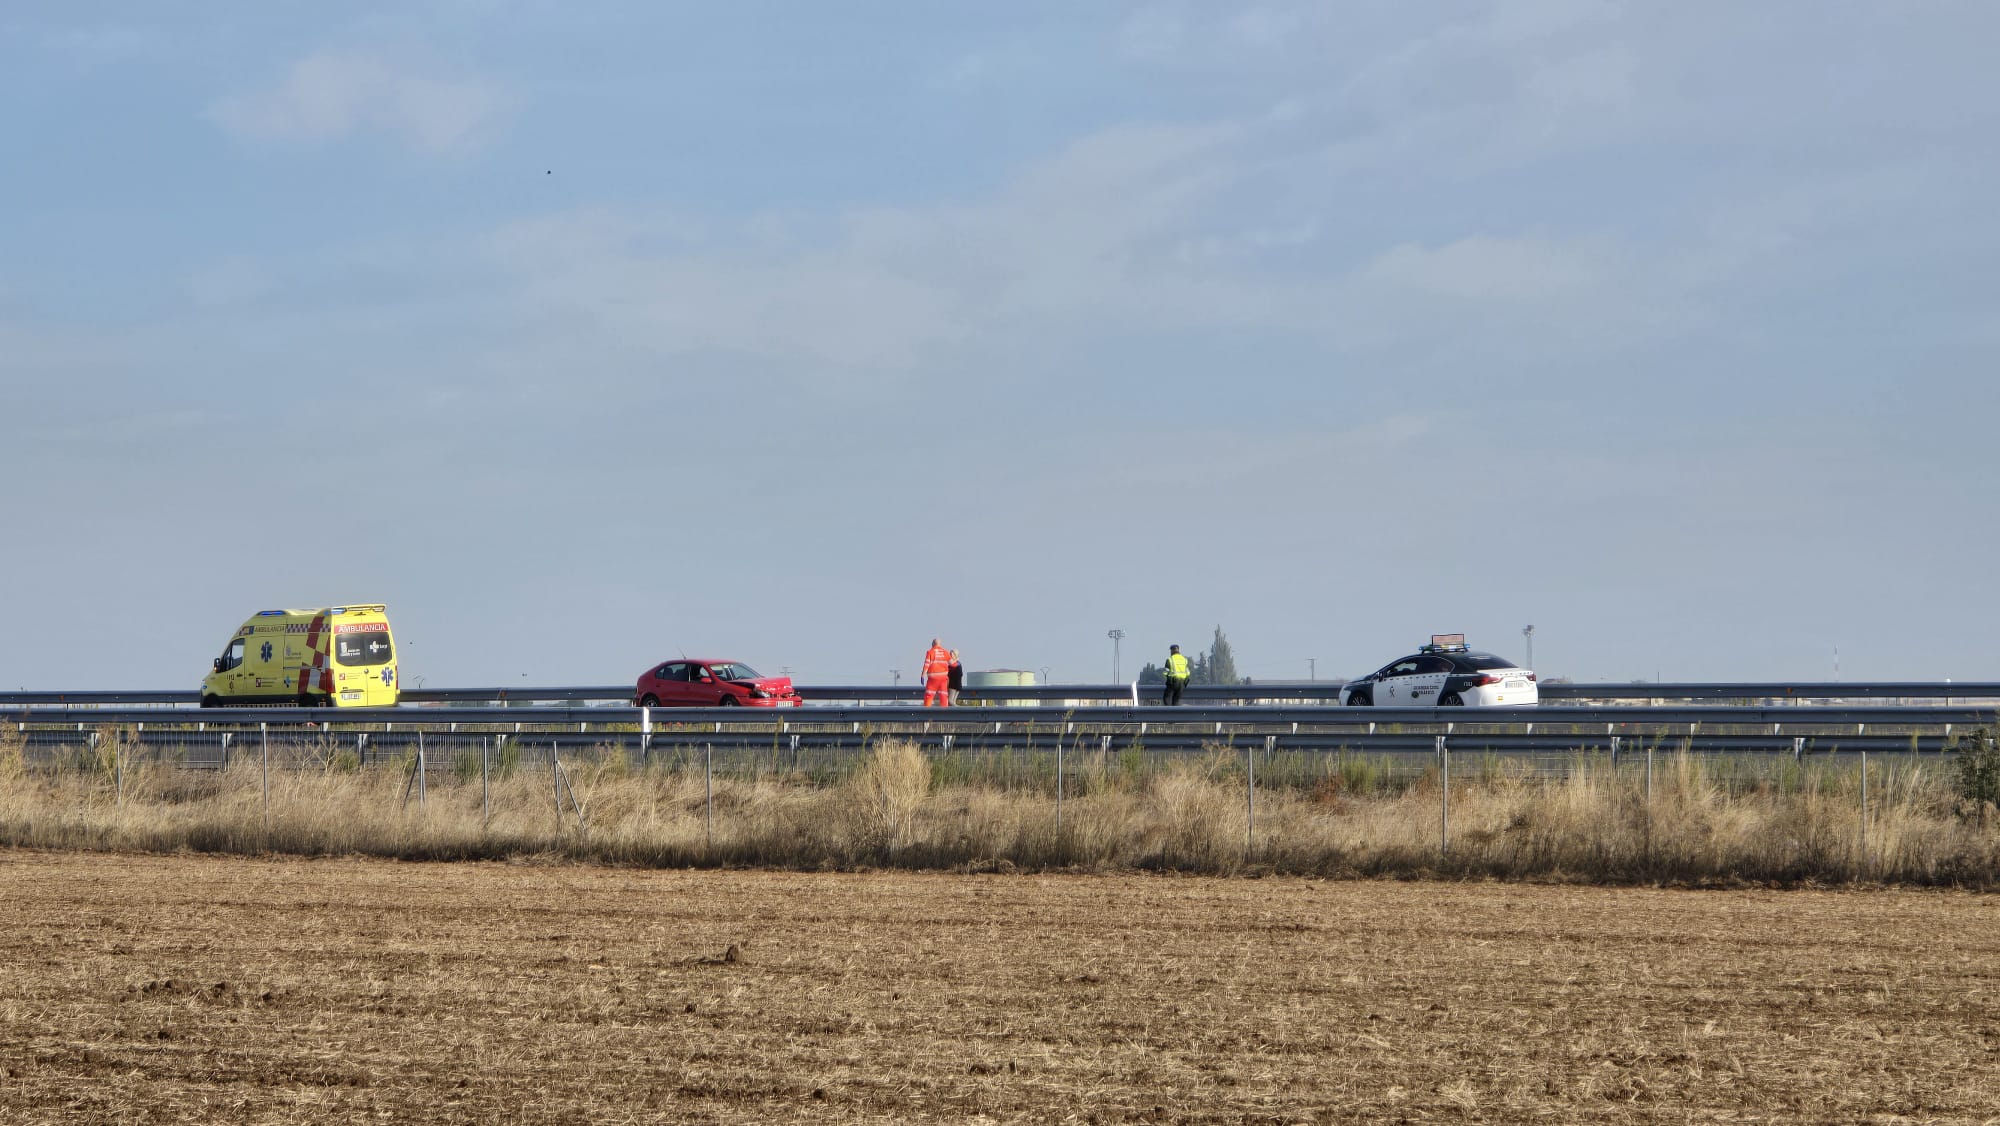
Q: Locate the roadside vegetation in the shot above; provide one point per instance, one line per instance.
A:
(1699, 821)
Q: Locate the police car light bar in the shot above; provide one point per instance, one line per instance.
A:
(1447, 641)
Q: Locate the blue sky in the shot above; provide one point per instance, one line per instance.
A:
(801, 334)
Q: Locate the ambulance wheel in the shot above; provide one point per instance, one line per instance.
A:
(1450, 700)
(210, 702)
(649, 701)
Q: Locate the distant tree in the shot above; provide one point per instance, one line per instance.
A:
(1221, 661)
(1217, 665)
(1151, 674)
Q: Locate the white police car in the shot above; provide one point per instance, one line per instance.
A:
(1444, 674)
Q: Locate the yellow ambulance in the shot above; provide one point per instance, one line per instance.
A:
(341, 656)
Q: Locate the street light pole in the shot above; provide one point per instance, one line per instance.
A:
(1529, 633)
(1116, 636)
(1312, 668)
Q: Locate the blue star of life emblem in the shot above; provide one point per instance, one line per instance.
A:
(388, 676)
(266, 651)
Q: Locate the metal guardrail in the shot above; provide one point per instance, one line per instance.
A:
(1127, 722)
(1326, 692)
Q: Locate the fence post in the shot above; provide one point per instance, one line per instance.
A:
(118, 765)
(1444, 796)
(423, 774)
(708, 793)
(1649, 799)
(1250, 802)
(1059, 785)
(264, 733)
(485, 787)
(1864, 811)
(645, 737)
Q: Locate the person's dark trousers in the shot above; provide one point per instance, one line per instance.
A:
(1171, 694)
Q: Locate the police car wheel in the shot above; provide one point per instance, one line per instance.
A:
(1451, 700)
(1359, 700)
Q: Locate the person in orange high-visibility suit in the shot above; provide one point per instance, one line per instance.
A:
(937, 675)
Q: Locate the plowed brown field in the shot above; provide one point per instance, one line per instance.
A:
(157, 988)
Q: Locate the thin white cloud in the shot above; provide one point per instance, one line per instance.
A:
(1485, 268)
(103, 44)
(330, 95)
(230, 281)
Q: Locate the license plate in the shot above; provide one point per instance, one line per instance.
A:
(1515, 684)
(350, 695)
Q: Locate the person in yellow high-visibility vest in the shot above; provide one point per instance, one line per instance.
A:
(1177, 673)
(937, 674)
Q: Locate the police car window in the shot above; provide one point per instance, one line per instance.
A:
(361, 648)
(1483, 661)
(1433, 664)
(1401, 668)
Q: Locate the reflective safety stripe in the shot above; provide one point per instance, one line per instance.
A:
(1177, 666)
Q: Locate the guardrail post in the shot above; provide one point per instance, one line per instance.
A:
(485, 787)
(1798, 748)
(645, 737)
(708, 795)
(1614, 754)
(264, 736)
(423, 775)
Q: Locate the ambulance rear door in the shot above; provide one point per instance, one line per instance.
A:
(364, 664)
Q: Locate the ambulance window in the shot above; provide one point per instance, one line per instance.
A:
(362, 648)
(235, 655)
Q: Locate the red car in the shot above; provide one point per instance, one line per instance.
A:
(685, 683)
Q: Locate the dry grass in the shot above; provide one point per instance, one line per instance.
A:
(223, 989)
(1189, 816)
